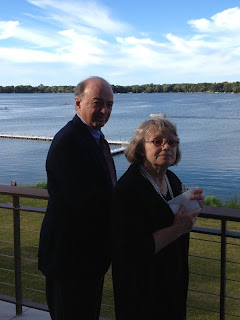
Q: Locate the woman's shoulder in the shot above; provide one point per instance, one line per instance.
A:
(130, 178)
(129, 175)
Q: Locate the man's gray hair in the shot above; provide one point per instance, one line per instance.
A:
(80, 88)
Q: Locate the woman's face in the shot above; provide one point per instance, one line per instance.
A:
(160, 150)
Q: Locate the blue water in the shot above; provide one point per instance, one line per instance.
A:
(208, 126)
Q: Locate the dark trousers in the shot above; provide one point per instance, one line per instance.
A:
(74, 297)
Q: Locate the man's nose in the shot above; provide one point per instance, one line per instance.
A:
(105, 109)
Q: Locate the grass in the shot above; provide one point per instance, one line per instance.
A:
(212, 201)
(204, 261)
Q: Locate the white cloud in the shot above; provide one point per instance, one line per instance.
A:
(135, 41)
(82, 49)
(81, 14)
(85, 37)
(75, 49)
(13, 29)
(225, 21)
(7, 29)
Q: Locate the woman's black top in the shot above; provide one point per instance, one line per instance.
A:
(146, 285)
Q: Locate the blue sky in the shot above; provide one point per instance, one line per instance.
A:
(60, 42)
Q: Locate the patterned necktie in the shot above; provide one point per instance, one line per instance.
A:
(108, 157)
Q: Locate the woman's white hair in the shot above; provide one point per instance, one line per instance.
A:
(135, 152)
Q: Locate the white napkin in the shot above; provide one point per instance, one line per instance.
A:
(189, 205)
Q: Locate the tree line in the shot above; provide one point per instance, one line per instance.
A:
(230, 87)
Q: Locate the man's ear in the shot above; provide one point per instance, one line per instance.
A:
(77, 102)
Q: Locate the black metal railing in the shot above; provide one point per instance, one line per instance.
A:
(224, 216)
(13, 206)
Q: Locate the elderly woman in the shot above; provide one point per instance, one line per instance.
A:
(150, 243)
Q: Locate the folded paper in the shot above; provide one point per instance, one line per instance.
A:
(189, 205)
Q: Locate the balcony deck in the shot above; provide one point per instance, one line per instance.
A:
(225, 235)
(8, 312)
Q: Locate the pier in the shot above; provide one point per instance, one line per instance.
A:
(23, 137)
(115, 151)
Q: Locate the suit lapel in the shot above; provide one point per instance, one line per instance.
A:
(91, 145)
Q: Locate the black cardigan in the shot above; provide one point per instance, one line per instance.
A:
(146, 285)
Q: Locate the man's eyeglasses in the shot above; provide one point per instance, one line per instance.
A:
(160, 142)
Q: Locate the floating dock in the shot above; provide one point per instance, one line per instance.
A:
(115, 151)
(24, 137)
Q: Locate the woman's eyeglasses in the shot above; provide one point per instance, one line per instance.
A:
(160, 142)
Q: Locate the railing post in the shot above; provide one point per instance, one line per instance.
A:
(223, 269)
(17, 253)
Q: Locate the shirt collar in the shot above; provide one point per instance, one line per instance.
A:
(94, 132)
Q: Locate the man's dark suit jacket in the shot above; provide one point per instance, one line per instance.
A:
(75, 230)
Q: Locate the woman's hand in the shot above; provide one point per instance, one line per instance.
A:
(198, 195)
(184, 222)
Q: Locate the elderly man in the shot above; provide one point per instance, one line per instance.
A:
(74, 250)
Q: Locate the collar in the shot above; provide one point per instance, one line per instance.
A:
(95, 133)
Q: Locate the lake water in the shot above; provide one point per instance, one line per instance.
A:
(208, 126)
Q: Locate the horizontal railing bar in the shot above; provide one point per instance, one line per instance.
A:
(207, 212)
(232, 315)
(206, 258)
(216, 232)
(204, 292)
(34, 290)
(6, 256)
(6, 206)
(24, 192)
(22, 208)
(233, 280)
(7, 270)
(205, 240)
(30, 260)
(203, 309)
(211, 276)
(30, 231)
(233, 234)
(33, 275)
(31, 289)
(4, 227)
(7, 284)
(32, 209)
(233, 262)
(233, 244)
(24, 259)
(106, 289)
(28, 246)
(210, 231)
(205, 275)
(220, 213)
(233, 298)
(213, 259)
(107, 305)
(5, 241)
(218, 242)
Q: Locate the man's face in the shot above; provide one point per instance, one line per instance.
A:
(95, 106)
